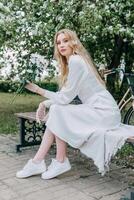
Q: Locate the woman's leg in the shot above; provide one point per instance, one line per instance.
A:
(37, 165)
(61, 147)
(47, 141)
(59, 165)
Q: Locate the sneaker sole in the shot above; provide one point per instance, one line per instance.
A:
(57, 174)
(35, 174)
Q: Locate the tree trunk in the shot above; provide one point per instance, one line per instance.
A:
(115, 62)
(129, 60)
(118, 50)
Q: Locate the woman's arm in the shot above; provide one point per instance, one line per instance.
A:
(70, 91)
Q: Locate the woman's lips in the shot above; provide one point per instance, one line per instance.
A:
(62, 50)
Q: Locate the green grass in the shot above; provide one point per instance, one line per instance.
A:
(22, 103)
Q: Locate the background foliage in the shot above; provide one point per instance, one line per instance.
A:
(27, 27)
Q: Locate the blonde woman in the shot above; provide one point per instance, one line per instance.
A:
(93, 126)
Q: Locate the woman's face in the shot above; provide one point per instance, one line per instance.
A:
(64, 45)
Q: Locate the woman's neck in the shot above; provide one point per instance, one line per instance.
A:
(67, 57)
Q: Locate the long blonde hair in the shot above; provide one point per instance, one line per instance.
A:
(78, 49)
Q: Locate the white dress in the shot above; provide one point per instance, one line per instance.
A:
(94, 126)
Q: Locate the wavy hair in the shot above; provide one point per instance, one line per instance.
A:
(78, 49)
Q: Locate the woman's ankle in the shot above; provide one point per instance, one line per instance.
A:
(61, 159)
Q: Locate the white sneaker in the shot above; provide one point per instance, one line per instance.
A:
(56, 168)
(31, 169)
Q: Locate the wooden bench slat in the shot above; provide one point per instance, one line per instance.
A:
(131, 140)
(27, 115)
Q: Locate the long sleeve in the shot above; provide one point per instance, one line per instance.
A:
(70, 91)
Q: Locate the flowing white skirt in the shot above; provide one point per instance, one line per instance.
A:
(93, 128)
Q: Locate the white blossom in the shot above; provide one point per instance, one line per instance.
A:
(94, 37)
(122, 29)
(125, 39)
(30, 33)
(128, 15)
(38, 59)
(106, 7)
(119, 25)
(24, 53)
(1, 5)
(22, 25)
(110, 28)
(112, 6)
(30, 71)
(102, 67)
(28, 1)
(99, 17)
(22, 43)
(92, 6)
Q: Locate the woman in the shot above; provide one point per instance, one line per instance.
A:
(93, 126)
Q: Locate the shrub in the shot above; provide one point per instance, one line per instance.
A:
(8, 86)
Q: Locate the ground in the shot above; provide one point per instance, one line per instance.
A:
(82, 182)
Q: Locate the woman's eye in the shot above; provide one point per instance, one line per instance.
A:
(58, 43)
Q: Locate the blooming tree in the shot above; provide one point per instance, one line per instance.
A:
(25, 35)
(108, 29)
(27, 28)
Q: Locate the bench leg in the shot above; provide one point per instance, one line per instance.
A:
(132, 195)
(22, 134)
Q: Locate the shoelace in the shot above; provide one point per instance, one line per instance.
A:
(52, 165)
(26, 166)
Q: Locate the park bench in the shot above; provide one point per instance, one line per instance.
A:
(31, 132)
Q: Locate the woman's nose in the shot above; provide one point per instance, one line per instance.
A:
(62, 44)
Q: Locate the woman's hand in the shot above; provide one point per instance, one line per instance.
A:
(35, 88)
(41, 113)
